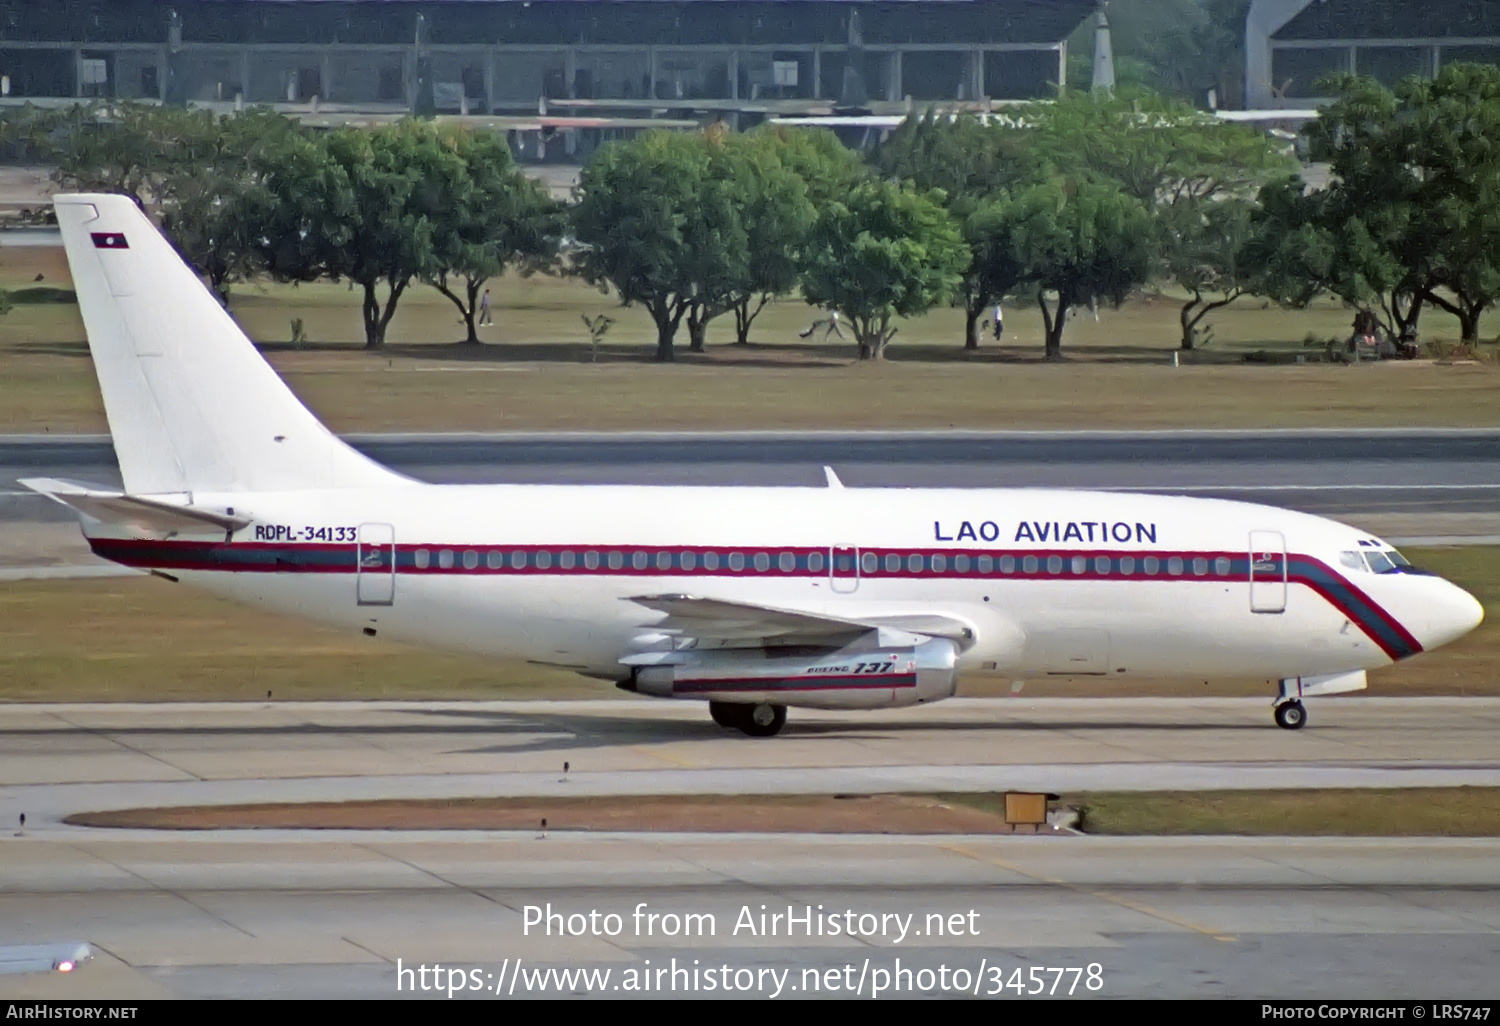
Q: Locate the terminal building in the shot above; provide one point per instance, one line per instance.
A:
(497, 56)
(1290, 45)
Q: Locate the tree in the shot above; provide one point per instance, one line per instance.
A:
(119, 146)
(977, 167)
(1449, 135)
(883, 251)
(1204, 244)
(638, 220)
(364, 205)
(496, 218)
(212, 204)
(1409, 219)
(1078, 240)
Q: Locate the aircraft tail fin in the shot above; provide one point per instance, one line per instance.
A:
(191, 405)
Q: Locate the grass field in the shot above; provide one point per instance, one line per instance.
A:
(1405, 812)
(536, 371)
(144, 639)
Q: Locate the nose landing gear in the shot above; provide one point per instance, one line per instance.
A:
(763, 720)
(1291, 715)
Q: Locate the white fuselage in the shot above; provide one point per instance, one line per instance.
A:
(1053, 582)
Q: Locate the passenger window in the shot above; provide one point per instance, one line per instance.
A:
(870, 562)
(762, 562)
(495, 559)
(914, 563)
(1127, 565)
(591, 560)
(787, 563)
(543, 560)
(1054, 564)
(1174, 566)
(565, 560)
(422, 559)
(1029, 564)
(471, 559)
(986, 564)
(445, 558)
(892, 563)
(1352, 560)
(663, 561)
(638, 560)
(1080, 564)
(616, 559)
(736, 561)
(1151, 565)
(710, 561)
(1008, 564)
(1101, 565)
(1222, 566)
(1200, 566)
(518, 560)
(939, 564)
(960, 564)
(815, 562)
(689, 561)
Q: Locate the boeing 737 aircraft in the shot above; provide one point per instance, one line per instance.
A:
(753, 599)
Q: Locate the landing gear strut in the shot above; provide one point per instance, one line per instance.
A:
(763, 720)
(1291, 715)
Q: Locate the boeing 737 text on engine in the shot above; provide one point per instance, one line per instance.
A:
(753, 599)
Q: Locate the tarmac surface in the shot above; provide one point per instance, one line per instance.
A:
(317, 913)
(1328, 472)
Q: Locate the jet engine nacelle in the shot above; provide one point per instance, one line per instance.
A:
(858, 677)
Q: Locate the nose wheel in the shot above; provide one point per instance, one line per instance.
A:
(1291, 715)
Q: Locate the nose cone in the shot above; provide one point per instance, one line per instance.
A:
(1451, 613)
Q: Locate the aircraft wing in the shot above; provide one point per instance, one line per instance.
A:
(153, 515)
(722, 620)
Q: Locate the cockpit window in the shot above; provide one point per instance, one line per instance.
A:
(1378, 561)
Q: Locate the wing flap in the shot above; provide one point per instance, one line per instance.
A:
(139, 513)
(723, 620)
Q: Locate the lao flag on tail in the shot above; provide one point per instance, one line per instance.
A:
(109, 240)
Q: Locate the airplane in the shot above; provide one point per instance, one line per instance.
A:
(750, 598)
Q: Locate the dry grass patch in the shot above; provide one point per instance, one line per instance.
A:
(535, 372)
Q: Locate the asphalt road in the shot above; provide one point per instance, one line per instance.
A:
(328, 913)
(1326, 472)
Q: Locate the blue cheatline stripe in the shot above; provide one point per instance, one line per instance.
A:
(722, 562)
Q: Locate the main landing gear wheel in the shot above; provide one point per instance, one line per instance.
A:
(1291, 716)
(764, 720)
(729, 714)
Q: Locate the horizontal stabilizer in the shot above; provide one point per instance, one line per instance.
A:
(137, 513)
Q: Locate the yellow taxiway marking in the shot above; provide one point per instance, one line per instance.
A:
(666, 757)
(1134, 906)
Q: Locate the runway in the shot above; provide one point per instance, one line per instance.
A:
(1330, 472)
(309, 913)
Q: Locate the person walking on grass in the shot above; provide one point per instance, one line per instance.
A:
(999, 324)
(829, 324)
(484, 308)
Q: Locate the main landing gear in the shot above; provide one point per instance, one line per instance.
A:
(763, 720)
